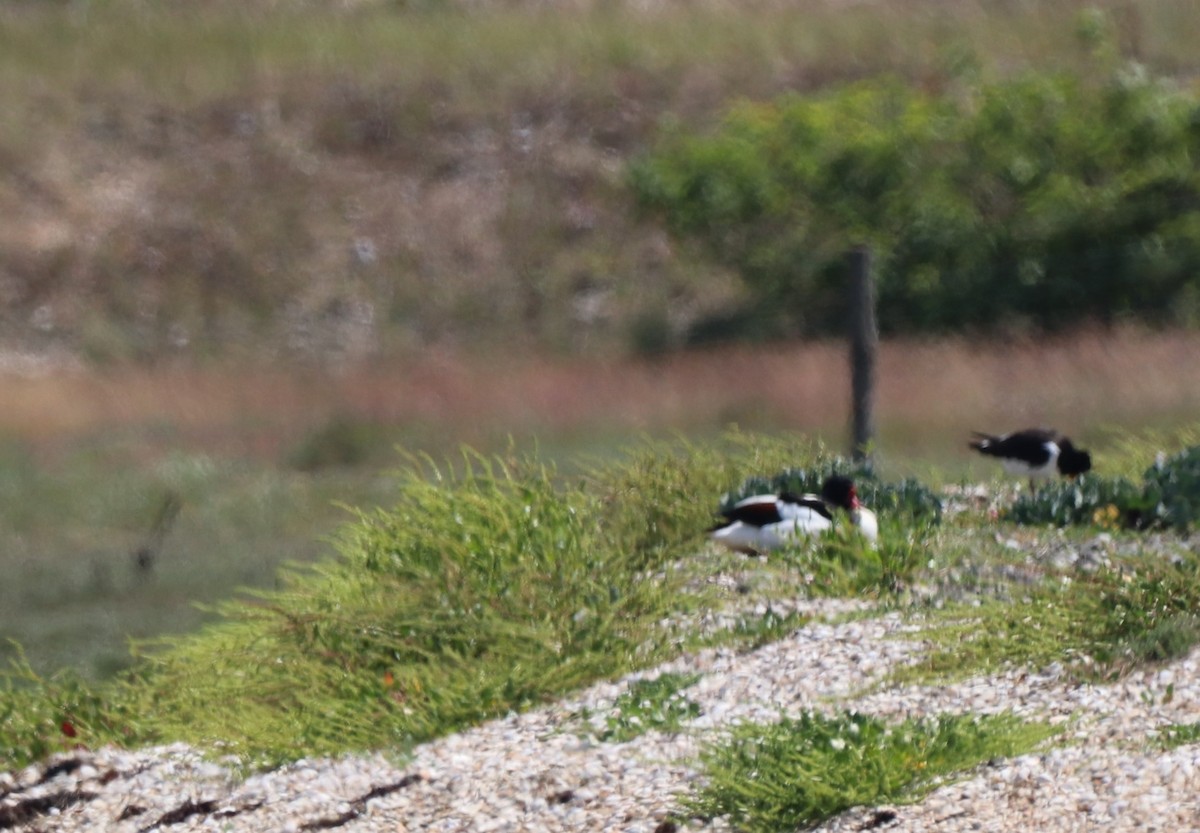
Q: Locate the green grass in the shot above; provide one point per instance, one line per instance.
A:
(487, 585)
(801, 771)
(842, 564)
(1098, 626)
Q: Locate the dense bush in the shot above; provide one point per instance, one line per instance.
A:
(1041, 199)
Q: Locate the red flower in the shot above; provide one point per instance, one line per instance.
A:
(68, 728)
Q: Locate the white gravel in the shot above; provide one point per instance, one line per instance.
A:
(539, 772)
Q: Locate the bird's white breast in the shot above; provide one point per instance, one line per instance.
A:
(1022, 468)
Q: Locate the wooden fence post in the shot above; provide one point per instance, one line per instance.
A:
(864, 343)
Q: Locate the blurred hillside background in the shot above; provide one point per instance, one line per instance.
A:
(248, 248)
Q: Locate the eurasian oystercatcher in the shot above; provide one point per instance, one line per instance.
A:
(767, 522)
(1034, 453)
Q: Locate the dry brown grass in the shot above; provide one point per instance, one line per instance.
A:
(930, 395)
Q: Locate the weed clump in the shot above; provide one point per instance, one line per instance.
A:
(1091, 499)
(1173, 485)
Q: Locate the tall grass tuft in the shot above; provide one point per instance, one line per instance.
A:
(801, 771)
(1098, 627)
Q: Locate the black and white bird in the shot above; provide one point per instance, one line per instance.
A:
(1035, 453)
(768, 522)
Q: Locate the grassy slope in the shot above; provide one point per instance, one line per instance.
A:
(438, 616)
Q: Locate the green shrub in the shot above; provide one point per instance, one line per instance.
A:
(1041, 199)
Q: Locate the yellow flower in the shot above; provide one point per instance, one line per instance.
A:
(1107, 517)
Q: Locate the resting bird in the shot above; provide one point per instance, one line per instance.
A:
(1034, 453)
(767, 522)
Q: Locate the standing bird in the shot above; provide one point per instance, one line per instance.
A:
(767, 522)
(1034, 453)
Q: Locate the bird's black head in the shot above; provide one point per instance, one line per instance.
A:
(1073, 461)
(839, 491)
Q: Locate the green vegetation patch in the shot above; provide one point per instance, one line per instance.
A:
(651, 705)
(1169, 497)
(752, 631)
(1098, 626)
(40, 716)
(491, 585)
(1091, 499)
(1036, 199)
(1178, 734)
(800, 771)
(837, 565)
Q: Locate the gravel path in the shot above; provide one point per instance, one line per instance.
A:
(537, 771)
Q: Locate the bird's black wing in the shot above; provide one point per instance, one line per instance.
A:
(1028, 445)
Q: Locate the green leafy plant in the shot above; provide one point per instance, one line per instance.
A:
(908, 499)
(801, 771)
(1168, 497)
(651, 705)
(1173, 485)
(1090, 499)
